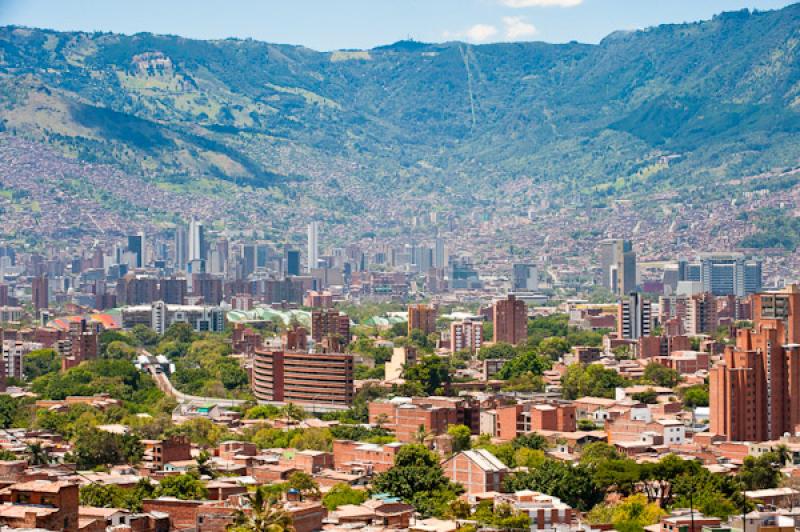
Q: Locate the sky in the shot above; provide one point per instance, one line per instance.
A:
(347, 24)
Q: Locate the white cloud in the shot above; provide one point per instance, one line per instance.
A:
(540, 3)
(517, 28)
(480, 32)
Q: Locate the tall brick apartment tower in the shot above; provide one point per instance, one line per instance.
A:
(755, 389)
(510, 321)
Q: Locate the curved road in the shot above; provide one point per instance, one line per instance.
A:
(166, 386)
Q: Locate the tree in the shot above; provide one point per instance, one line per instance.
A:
(501, 350)
(293, 412)
(592, 380)
(630, 515)
(120, 350)
(531, 440)
(763, 472)
(571, 484)
(661, 375)
(40, 362)
(554, 347)
(694, 396)
(99, 495)
(8, 410)
(264, 515)
(595, 453)
(204, 465)
(461, 437)
(342, 494)
(648, 397)
(186, 487)
(199, 430)
(180, 332)
(144, 335)
(619, 476)
(418, 479)
(304, 483)
(528, 362)
(93, 447)
(5, 455)
(431, 373)
(37, 454)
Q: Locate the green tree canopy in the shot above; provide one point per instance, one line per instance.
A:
(418, 479)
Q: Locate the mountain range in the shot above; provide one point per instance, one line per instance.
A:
(671, 109)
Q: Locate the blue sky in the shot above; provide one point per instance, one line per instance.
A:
(337, 24)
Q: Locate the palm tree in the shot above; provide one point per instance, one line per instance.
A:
(204, 465)
(784, 455)
(381, 420)
(264, 515)
(421, 435)
(37, 455)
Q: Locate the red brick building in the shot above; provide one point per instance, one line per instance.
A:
(423, 318)
(513, 420)
(433, 414)
(52, 505)
(370, 457)
(477, 470)
(510, 320)
(753, 390)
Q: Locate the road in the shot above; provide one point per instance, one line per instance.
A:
(165, 385)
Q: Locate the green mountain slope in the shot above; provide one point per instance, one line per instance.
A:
(719, 99)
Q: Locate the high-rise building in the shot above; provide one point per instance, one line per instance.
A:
(439, 254)
(725, 274)
(634, 317)
(197, 241)
(181, 248)
(701, 314)
(313, 246)
(330, 323)
(207, 286)
(754, 389)
(526, 278)
(466, 335)
(423, 318)
(249, 258)
(618, 265)
(40, 296)
(172, 291)
(135, 289)
(136, 246)
(510, 320)
(292, 262)
(303, 378)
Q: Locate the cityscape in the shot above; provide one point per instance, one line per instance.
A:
(256, 287)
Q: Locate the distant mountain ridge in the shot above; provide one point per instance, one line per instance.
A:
(674, 107)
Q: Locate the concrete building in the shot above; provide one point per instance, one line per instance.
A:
(313, 246)
(159, 316)
(526, 278)
(466, 336)
(510, 321)
(618, 266)
(303, 378)
(402, 357)
(725, 274)
(634, 318)
(701, 314)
